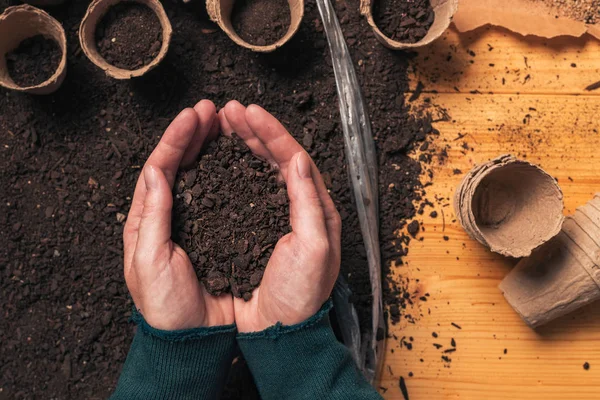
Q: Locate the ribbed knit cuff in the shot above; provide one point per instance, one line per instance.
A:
(303, 361)
(184, 364)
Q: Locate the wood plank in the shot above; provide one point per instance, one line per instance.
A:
(495, 60)
(461, 276)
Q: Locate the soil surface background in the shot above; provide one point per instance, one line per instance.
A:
(261, 22)
(70, 160)
(34, 61)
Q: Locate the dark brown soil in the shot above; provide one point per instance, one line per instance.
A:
(261, 22)
(34, 61)
(230, 212)
(70, 160)
(129, 36)
(403, 20)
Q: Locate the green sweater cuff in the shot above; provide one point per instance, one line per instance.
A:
(303, 361)
(184, 364)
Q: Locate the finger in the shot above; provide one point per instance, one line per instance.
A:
(166, 156)
(283, 147)
(155, 223)
(207, 115)
(235, 115)
(306, 211)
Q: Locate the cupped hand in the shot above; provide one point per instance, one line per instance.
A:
(159, 274)
(305, 263)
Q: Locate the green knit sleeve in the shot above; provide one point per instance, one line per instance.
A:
(303, 361)
(186, 364)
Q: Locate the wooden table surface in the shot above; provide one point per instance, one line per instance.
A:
(516, 95)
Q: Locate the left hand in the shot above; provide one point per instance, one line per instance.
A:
(159, 274)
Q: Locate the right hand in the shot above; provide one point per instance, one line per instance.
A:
(305, 263)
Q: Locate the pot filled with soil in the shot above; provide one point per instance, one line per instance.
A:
(258, 25)
(229, 212)
(561, 276)
(33, 50)
(402, 24)
(125, 38)
(510, 206)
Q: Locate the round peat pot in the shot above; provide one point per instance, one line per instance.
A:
(443, 11)
(25, 22)
(220, 11)
(510, 206)
(561, 276)
(87, 36)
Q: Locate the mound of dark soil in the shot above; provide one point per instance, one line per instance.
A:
(229, 213)
(261, 22)
(402, 20)
(34, 61)
(129, 36)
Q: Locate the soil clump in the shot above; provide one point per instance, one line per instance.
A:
(403, 21)
(261, 22)
(129, 36)
(229, 213)
(34, 61)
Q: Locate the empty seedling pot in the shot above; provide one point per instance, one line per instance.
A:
(443, 11)
(509, 206)
(19, 24)
(221, 11)
(96, 11)
(562, 275)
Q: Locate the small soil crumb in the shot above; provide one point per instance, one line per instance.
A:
(413, 228)
(34, 61)
(403, 21)
(586, 366)
(129, 36)
(261, 22)
(229, 213)
(403, 388)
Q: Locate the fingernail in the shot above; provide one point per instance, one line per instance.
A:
(150, 177)
(303, 163)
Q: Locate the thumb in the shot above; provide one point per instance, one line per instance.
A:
(155, 223)
(306, 211)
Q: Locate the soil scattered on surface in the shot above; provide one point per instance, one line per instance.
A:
(34, 61)
(72, 158)
(402, 20)
(261, 22)
(587, 11)
(229, 213)
(129, 36)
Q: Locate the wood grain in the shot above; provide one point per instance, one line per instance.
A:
(549, 119)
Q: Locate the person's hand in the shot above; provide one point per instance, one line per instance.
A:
(305, 263)
(158, 273)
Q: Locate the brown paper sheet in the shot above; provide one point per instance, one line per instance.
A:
(525, 17)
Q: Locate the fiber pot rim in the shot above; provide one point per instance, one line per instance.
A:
(217, 8)
(87, 36)
(444, 11)
(38, 19)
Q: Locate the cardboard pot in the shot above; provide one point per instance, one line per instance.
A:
(444, 10)
(220, 12)
(510, 206)
(561, 276)
(87, 37)
(19, 23)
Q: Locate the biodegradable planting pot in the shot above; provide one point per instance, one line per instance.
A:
(220, 12)
(509, 206)
(562, 275)
(22, 22)
(87, 37)
(444, 10)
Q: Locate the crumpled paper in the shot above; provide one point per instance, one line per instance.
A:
(525, 17)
